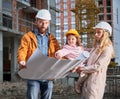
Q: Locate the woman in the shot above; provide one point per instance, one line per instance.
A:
(97, 63)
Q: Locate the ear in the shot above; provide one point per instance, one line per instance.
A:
(36, 22)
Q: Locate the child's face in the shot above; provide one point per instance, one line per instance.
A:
(71, 40)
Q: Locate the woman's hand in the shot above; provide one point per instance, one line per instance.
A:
(77, 69)
(74, 69)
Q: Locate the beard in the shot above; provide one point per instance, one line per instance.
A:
(42, 30)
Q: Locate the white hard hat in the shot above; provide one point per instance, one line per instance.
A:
(104, 25)
(43, 14)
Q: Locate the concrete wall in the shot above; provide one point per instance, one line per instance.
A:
(1, 56)
(116, 29)
(53, 13)
(14, 65)
(1, 45)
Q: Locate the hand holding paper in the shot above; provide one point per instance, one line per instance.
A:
(40, 66)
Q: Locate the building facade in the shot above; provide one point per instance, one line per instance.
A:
(65, 18)
(108, 11)
(16, 18)
(116, 29)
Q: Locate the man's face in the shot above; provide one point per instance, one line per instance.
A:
(42, 25)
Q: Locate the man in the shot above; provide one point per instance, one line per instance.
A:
(47, 43)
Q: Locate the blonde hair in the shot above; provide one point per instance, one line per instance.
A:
(78, 43)
(105, 41)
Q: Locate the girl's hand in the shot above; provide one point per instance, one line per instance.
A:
(58, 55)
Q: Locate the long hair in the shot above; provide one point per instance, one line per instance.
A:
(104, 42)
(78, 43)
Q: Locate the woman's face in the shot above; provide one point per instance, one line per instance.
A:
(99, 34)
(71, 40)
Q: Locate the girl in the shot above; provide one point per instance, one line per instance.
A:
(73, 50)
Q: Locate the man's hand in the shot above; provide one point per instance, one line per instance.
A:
(22, 64)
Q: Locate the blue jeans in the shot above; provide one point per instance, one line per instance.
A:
(44, 86)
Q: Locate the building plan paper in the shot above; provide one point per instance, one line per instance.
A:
(40, 67)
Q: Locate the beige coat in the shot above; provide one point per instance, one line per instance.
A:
(94, 85)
